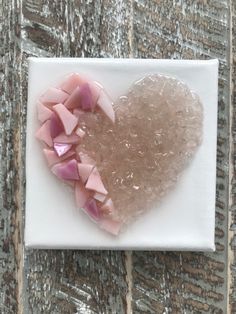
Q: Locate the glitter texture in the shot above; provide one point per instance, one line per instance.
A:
(157, 130)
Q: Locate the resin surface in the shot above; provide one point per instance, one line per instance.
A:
(157, 130)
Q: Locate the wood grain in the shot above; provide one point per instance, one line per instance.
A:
(11, 175)
(112, 282)
(232, 217)
(186, 282)
(75, 281)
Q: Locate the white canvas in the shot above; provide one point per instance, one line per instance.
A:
(184, 220)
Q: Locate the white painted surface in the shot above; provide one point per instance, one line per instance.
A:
(185, 220)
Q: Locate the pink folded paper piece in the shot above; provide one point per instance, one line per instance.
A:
(119, 158)
(59, 110)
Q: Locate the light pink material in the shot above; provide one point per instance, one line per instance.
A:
(73, 101)
(81, 195)
(43, 134)
(43, 112)
(80, 132)
(111, 226)
(95, 182)
(84, 171)
(67, 170)
(61, 149)
(92, 209)
(56, 126)
(85, 159)
(68, 120)
(86, 100)
(78, 113)
(99, 197)
(54, 95)
(108, 207)
(64, 139)
(95, 90)
(72, 82)
(60, 110)
(70, 183)
(106, 105)
(52, 158)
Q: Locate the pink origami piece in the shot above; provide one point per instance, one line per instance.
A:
(66, 139)
(68, 120)
(67, 170)
(56, 126)
(54, 95)
(44, 113)
(95, 88)
(52, 157)
(81, 194)
(111, 226)
(92, 209)
(108, 208)
(62, 112)
(86, 99)
(74, 80)
(84, 171)
(44, 134)
(95, 182)
(99, 197)
(73, 100)
(61, 149)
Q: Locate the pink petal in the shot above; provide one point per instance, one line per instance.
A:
(84, 171)
(74, 99)
(43, 134)
(111, 226)
(108, 207)
(95, 182)
(54, 95)
(56, 126)
(85, 159)
(67, 170)
(43, 112)
(86, 100)
(99, 197)
(72, 82)
(52, 157)
(106, 105)
(80, 132)
(61, 149)
(68, 120)
(92, 209)
(64, 139)
(95, 90)
(81, 195)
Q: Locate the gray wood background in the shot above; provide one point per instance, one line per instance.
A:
(35, 281)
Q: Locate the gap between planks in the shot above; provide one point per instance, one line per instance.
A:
(230, 255)
(129, 279)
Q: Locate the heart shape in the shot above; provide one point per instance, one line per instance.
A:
(128, 165)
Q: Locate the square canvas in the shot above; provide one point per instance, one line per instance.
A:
(183, 220)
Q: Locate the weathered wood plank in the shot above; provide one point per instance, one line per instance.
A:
(74, 281)
(232, 217)
(186, 282)
(105, 282)
(10, 158)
